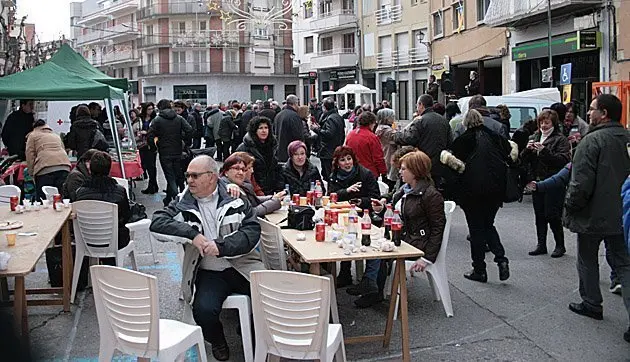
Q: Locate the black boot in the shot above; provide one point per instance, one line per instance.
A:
(151, 189)
(367, 286)
(344, 278)
(504, 271)
(368, 300)
(221, 352)
(477, 276)
(541, 249)
(558, 252)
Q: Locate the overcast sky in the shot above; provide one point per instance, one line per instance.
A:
(51, 17)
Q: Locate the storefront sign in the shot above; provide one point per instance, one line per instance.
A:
(148, 90)
(560, 44)
(343, 74)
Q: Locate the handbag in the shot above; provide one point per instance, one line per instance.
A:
(513, 187)
(300, 218)
(138, 212)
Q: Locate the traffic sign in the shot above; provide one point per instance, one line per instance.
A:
(565, 74)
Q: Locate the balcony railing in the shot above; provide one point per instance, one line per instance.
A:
(334, 20)
(323, 53)
(197, 68)
(399, 58)
(336, 12)
(388, 14)
(120, 56)
(128, 29)
(197, 39)
(91, 37)
(178, 8)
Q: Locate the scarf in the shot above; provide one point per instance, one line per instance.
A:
(545, 134)
(406, 188)
(344, 175)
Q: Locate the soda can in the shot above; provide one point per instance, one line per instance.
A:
(57, 201)
(333, 197)
(328, 217)
(296, 199)
(14, 202)
(309, 197)
(320, 231)
(334, 216)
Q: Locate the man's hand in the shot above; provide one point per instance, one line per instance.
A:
(205, 246)
(418, 266)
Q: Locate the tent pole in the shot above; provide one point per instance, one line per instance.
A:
(112, 124)
(132, 136)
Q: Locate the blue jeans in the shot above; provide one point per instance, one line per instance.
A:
(371, 268)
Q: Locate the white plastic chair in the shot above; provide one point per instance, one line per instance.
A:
(436, 273)
(291, 312)
(383, 188)
(128, 312)
(124, 183)
(50, 191)
(96, 236)
(8, 191)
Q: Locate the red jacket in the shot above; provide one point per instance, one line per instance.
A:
(367, 147)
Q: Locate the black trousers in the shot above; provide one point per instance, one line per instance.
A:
(480, 219)
(148, 159)
(209, 142)
(55, 179)
(212, 289)
(326, 168)
(225, 150)
(555, 223)
(196, 144)
(219, 150)
(172, 167)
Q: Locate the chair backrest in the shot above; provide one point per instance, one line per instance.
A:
(291, 312)
(383, 187)
(49, 191)
(449, 207)
(127, 309)
(123, 182)
(7, 191)
(96, 227)
(272, 246)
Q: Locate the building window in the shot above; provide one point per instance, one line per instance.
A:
(231, 61)
(308, 45)
(258, 91)
(308, 9)
(200, 61)
(368, 6)
(181, 27)
(459, 22)
(261, 33)
(196, 93)
(202, 26)
(261, 59)
(348, 43)
(438, 24)
(150, 65)
(326, 44)
(348, 5)
(179, 62)
(482, 9)
(325, 7)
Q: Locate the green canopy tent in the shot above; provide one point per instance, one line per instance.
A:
(68, 59)
(51, 82)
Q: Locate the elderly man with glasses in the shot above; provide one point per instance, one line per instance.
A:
(219, 234)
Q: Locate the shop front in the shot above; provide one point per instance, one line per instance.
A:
(308, 83)
(334, 79)
(196, 93)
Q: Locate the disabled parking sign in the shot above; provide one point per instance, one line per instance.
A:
(565, 74)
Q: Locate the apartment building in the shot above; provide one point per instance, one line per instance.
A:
(621, 65)
(106, 33)
(193, 50)
(325, 39)
(395, 45)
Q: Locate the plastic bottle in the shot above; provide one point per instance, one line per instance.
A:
(317, 197)
(397, 228)
(353, 223)
(366, 228)
(286, 201)
(387, 222)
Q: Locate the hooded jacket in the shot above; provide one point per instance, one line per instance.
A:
(238, 234)
(267, 171)
(422, 213)
(269, 113)
(196, 122)
(81, 135)
(45, 152)
(170, 130)
(226, 127)
(301, 184)
(331, 133)
(368, 149)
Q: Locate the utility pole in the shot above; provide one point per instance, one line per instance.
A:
(549, 40)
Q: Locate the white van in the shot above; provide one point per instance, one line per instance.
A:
(523, 106)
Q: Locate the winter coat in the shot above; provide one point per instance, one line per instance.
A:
(301, 184)
(600, 167)
(550, 160)
(107, 189)
(262, 205)
(244, 126)
(75, 179)
(367, 148)
(226, 127)
(194, 118)
(432, 90)
(213, 122)
(316, 112)
(269, 113)
(625, 195)
(485, 153)
(171, 130)
(557, 182)
(369, 187)
(287, 127)
(332, 133)
(579, 125)
(14, 131)
(431, 134)
(491, 123)
(422, 213)
(521, 137)
(385, 134)
(81, 135)
(45, 152)
(267, 171)
(238, 234)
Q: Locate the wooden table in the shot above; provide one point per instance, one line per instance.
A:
(28, 250)
(315, 253)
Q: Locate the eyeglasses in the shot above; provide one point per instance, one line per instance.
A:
(242, 169)
(195, 175)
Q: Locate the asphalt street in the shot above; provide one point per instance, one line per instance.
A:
(523, 319)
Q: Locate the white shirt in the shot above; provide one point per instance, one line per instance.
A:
(208, 208)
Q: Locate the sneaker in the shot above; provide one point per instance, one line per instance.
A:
(615, 287)
(367, 286)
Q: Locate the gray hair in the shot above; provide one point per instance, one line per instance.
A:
(293, 100)
(472, 119)
(208, 162)
(384, 115)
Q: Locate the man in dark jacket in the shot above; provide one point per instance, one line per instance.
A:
(17, 126)
(593, 207)
(245, 118)
(170, 130)
(180, 108)
(226, 130)
(195, 118)
(315, 110)
(288, 127)
(331, 132)
(212, 113)
(268, 112)
(430, 133)
(433, 88)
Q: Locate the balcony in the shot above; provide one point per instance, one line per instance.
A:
(122, 32)
(335, 58)
(334, 20)
(527, 12)
(178, 8)
(120, 57)
(388, 14)
(402, 58)
(122, 7)
(196, 68)
(196, 39)
(93, 37)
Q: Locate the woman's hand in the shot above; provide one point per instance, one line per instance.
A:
(531, 186)
(354, 188)
(280, 195)
(233, 190)
(418, 266)
(378, 205)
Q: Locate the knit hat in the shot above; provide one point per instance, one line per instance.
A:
(294, 146)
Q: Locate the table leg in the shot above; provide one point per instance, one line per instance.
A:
(392, 303)
(20, 314)
(4, 290)
(315, 269)
(66, 251)
(403, 311)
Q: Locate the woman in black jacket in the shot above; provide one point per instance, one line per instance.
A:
(480, 191)
(544, 156)
(298, 172)
(82, 133)
(148, 155)
(99, 186)
(352, 181)
(260, 143)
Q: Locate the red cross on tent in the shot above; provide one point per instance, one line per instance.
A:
(60, 122)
